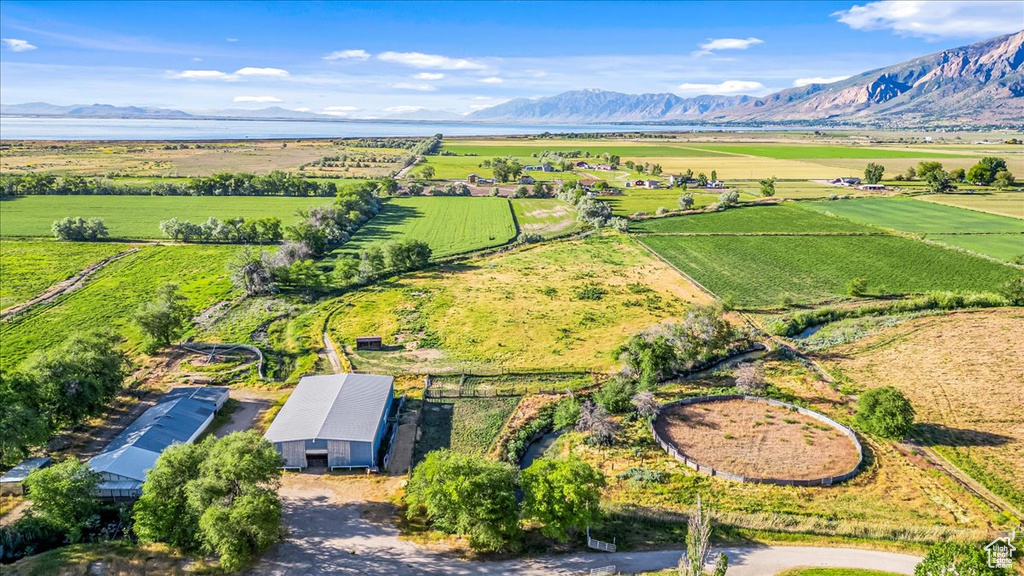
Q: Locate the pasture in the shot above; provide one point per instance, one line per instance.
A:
(556, 307)
(591, 149)
(812, 152)
(114, 293)
(911, 215)
(140, 216)
(770, 270)
(547, 217)
(450, 225)
(633, 200)
(466, 425)
(770, 219)
(1007, 247)
(29, 268)
(1003, 203)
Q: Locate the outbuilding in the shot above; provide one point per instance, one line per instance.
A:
(333, 421)
(369, 343)
(13, 482)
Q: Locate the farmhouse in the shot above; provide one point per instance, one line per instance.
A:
(606, 167)
(587, 184)
(848, 181)
(336, 421)
(582, 164)
(716, 184)
(526, 179)
(472, 178)
(13, 482)
(872, 187)
(181, 416)
(678, 180)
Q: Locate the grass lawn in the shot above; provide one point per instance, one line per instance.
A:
(466, 425)
(1004, 203)
(781, 218)
(558, 307)
(785, 151)
(450, 225)
(788, 189)
(110, 298)
(633, 200)
(544, 216)
(909, 215)
(140, 216)
(764, 270)
(29, 268)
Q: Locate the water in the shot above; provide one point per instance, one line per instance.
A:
(538, 448)
(19, 128)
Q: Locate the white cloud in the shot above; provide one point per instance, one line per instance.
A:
(818, 80)
(203, 75)
(340, 109)
(17, 45)
(479, 106)
(491, 80)
(256, 99)
(348, 55)
(197, 59)
(266, 72)
(302, 109)
(936, 19)
(715, 44)
(727, 87)
(231, 39)
(404, 108)
(420, 60)
(412, 86)
(428, 76)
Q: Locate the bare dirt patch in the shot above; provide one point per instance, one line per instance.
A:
(757, 440)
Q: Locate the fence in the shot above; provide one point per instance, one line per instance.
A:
(213, 348)
(502, 383)
(825, 481)
(598, 544)
(604, 571)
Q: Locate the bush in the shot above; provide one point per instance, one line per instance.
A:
(957, 559)
(885, 412)
(567, 413)
(563, 495)
(64, 497)
(749, 378)
(27, 536)
(614, 395)
(857, 287)
(79, 229)
(590, 291)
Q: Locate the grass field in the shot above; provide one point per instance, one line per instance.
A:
(547, 217)
(800, 189)
(633, 200)
(765, 270)
(459, 167)
(140, 216)
(466, 425)
(31, 267)
(516, 311)
(909, 215)
(789, 152)
(449, 225)
(1007, 247)
(963, 374)
(1005, 204)
(115, 292)
(781, 218)
(834, 572)
(595, 148)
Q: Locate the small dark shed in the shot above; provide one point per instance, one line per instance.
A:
(369, 343)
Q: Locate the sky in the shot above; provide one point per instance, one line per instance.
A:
(372, 59)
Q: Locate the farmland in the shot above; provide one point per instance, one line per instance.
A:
(633, 200)
(448, 225)
(543, 216)
(140, 216)
(115, 292)
(909, 215)
(779, 219)
(766, 270)
(31, 267)
(784, 152)
(467, 425)
(1005, 204)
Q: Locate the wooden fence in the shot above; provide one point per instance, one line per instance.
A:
(825, 481)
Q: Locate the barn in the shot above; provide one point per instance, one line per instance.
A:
(333, 421)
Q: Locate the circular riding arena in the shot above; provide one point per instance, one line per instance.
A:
(752, 439)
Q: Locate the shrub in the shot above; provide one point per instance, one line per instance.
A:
(857, 287)
(165, 318)
(749, 378)
(1013, 290)
(686, 201)
(79, 229)
(957, 558)
(64, 496)
(590, 291)
(563, 495)
(614, 395)
(529, 238)
(567, 413)
(646, 404)
(885, 412)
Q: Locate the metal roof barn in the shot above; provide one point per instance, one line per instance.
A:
(180, 417)
(13, 481)
(336, 421)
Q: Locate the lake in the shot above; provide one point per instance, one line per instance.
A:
(26, 128)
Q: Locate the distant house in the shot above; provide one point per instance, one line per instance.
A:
(13, 482)
(848, 181)
(472, 178)
(652, 184)
(582, 164)
(716, 184)
(369, 343)
(547, 167)
(587, 185)
(872, 187)
(677, 180)
(532, 168)
(526, 179)
(482, 181)
(606, 167)
(334, 421)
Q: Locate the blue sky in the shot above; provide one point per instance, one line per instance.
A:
(371, 59)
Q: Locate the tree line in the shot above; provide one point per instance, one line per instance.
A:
(276, 183)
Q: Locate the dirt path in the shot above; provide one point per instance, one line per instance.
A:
(405, 442)
(15, 513)
(252, 404)
(332, 354)
(342, 525)
(67, 286)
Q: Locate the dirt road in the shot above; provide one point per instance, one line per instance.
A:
(342, 526)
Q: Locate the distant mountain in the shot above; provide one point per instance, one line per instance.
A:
(271, 113)
(982, 83)
(90, 111)
(594, 105)
(425, 115)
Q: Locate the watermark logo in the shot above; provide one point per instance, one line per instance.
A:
(1000, 551)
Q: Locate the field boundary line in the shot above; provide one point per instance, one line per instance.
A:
(678, 271)
(67, 286)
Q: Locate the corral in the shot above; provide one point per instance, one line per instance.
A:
(756, 440)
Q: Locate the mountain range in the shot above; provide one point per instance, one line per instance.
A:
(980, 84)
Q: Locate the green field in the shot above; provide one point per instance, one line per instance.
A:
(773, 219)
(1006, 247)
(1004, 203)
(765, 270)
(633, 200)
(459, 167)
(834, 572)
(466, 425)
(110, 298)
(784, 151)
(450, 225)
(31, 267)
(909, 215)
(140, 216)
(596, 150)
(544, 216)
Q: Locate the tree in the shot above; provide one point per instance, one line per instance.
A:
(614, 394)
(686, 201)
(595, 419)
(927, 167)
(702, 180)
(885, 412)
(407, 255)
(651, 358)
(564, 496)
(728, 199)
(749, 378)
(957, 559)
(521, 192)
(957, 175)
(767, 186)
(873, 173)
(1004, 179)
(698, 545)
(251, 271)
(714, 175)
(23, 424)
(910, 174)
(506, 169)
(567, 413)
(427, 172)
(938, 181)
(980, 174)
(162, 513)
(646, 404)
(64, 495)
(165, 318)
(371, 262)
(79, 229)
(1014, 291)
(593, 212)
(466, 494)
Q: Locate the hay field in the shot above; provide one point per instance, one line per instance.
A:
(29, 268)
(1003, 203)
(547, 217)
(963, 374)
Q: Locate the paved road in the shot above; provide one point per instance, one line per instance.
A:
(342, 527)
